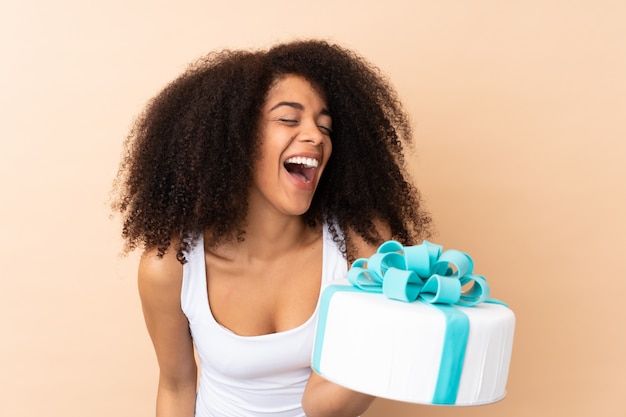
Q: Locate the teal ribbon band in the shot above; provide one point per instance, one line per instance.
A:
(426, 273)
(452, 355)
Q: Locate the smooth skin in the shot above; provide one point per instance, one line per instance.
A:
(251, 285)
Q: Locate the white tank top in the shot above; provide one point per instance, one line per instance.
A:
(250, 375)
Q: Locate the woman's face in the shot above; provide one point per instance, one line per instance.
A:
(294, 131)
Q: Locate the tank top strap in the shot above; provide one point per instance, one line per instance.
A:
(193, 291)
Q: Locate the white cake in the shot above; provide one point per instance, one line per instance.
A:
(393, 349)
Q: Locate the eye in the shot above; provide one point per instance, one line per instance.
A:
(288, 121)
(327, 130)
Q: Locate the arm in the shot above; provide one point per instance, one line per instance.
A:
(323, 398)
(160, 281)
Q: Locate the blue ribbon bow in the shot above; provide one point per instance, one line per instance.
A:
(423, 272)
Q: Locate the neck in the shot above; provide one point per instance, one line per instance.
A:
(268, 236)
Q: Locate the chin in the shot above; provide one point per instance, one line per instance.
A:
(298, 211)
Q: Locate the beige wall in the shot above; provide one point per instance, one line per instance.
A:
(519, 111)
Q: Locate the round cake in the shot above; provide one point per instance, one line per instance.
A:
(426, 350)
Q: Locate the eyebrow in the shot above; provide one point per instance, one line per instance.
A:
(297, 106)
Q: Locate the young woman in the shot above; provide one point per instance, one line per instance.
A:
(250, 181)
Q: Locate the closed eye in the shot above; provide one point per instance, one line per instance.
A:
(325, 129)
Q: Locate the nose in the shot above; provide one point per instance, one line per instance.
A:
(311, 133)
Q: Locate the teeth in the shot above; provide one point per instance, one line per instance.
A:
(307, 162)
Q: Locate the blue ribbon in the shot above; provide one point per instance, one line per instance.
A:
(421, 271)
(426, 273)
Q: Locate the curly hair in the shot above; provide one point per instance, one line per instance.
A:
(190, 156)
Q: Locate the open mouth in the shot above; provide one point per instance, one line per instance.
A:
(302, 168)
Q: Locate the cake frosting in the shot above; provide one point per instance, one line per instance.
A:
(402, 327)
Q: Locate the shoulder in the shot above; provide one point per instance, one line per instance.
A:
(159, 275)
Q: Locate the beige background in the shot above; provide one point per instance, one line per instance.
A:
(519, 113)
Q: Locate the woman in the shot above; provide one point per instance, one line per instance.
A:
(251, 181)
